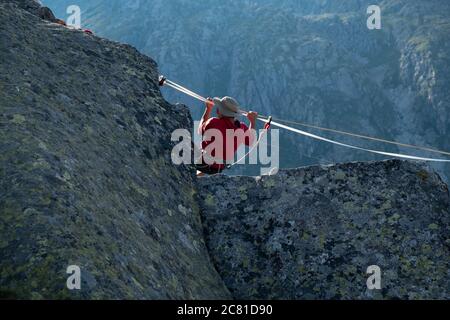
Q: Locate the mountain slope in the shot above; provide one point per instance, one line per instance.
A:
(313, 61)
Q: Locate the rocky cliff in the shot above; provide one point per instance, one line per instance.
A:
(314, 61)
(86, 179)
(86, 176)
(311, 233)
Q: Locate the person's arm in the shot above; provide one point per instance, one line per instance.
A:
(209, 105)
(252, 116)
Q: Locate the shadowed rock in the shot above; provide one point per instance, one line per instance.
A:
(85, 171)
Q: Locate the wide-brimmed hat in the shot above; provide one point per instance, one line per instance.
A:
(227, 106)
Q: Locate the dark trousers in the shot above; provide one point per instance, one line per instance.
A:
(207, 169)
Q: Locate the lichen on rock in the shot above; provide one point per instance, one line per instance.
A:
(311, 233)
(86, 176)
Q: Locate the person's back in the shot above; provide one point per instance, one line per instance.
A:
(223, 135)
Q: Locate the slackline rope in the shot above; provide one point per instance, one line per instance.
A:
(362, 136)
(277, 123)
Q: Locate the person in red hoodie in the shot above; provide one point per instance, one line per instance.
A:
(228, 126)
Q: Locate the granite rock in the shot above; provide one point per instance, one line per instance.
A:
(86, 176)
(311, 233)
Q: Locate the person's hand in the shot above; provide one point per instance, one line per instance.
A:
(252, 116)
(209, 104)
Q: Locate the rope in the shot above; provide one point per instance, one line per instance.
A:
(277, 123)
(364, 137)
(322, 161)
(249, 151)
(397, 155)
(184, 90)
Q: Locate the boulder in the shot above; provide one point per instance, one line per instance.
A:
(312, 233)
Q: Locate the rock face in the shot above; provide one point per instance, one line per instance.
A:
(86, 179)
(311, 233)
(85, 171)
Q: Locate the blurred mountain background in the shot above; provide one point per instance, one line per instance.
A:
(313, 61)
